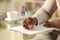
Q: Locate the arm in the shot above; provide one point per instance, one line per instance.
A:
(45, 12)
(42, 15)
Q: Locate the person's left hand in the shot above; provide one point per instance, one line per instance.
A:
(55, 24)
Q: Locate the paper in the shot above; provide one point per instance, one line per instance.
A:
(35, 30)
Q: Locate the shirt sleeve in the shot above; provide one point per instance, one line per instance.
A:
(44, 13)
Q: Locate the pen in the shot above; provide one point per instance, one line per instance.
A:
(25, 11)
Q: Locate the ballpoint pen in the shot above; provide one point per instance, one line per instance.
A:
(25, 10)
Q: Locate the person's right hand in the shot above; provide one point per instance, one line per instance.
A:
(29, 23)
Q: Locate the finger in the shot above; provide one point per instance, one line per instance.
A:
(25, 24)
(47, 24)
(30, 27)
(50, 26)
(25, 27)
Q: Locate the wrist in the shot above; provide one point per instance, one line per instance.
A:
(35, 20)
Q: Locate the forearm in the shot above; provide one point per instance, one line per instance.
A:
(48, 8)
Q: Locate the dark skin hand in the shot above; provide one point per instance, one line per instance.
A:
(55, 24)
(29, 23)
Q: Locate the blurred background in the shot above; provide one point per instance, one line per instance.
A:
(16, 5)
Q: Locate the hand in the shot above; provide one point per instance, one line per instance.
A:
(29, 23)
(55, 24)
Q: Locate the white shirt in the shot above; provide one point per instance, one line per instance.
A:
(48, 8)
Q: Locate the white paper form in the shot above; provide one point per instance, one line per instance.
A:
(35, 30)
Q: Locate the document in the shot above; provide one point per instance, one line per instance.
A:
(35, 30)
